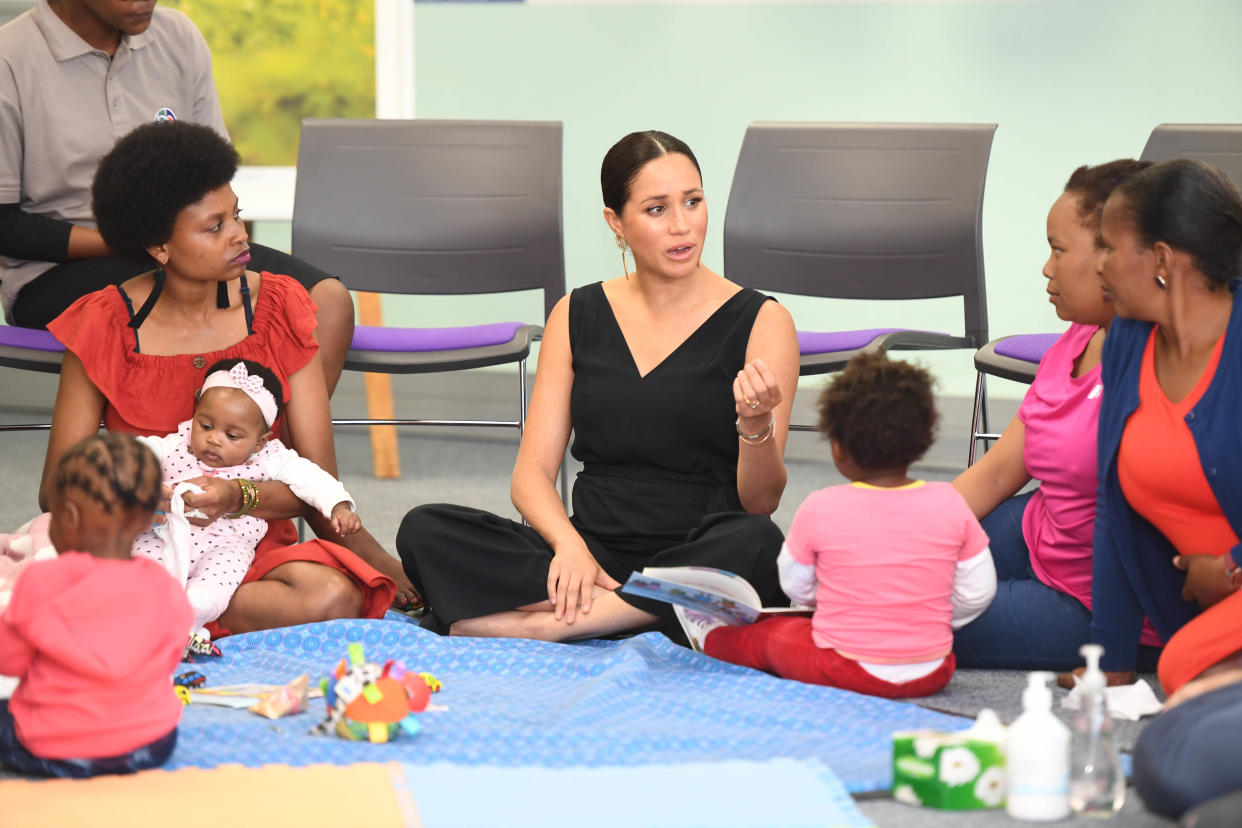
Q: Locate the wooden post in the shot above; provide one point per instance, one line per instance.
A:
(385, 455)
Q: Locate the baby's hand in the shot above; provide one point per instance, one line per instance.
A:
(162, 507)
(345, 520)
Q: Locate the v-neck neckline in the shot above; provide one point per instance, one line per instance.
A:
(630, 352)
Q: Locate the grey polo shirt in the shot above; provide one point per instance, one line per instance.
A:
(63, 104)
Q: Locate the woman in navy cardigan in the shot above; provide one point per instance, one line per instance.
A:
(1169, 512)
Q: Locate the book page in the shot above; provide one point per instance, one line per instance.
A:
(698, 588)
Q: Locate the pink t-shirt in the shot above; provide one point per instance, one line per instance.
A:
(1061, 413)
(885, 562)
(95, 681)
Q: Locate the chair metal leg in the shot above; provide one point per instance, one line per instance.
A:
(978, 416)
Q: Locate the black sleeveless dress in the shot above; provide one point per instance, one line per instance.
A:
(658, 485)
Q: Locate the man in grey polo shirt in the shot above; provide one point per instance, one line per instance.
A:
(75, 76)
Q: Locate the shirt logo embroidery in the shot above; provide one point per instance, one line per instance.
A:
(1095, 392)
(165, 115)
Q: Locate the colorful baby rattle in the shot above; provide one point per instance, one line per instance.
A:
(367, 700)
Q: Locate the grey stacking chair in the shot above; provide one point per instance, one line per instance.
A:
(29, 350)
(862, 211)
(1217, 144)
(436, 208)
(1014, 358)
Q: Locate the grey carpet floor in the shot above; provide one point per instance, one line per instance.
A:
(460, 466)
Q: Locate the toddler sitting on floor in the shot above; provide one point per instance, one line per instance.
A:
(93, 634)
(891, 565)
(230, 437)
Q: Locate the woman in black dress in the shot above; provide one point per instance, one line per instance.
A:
(677, 386)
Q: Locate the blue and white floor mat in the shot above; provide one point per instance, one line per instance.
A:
(511, 702)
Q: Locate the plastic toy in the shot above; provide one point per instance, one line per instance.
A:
(200, 644)
(372, 701)
(191, 678)
(284, 700)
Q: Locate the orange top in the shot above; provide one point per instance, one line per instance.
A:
(1159, 468)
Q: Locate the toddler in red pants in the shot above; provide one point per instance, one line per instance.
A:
(891, 565)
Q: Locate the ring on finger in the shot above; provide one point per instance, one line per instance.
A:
(753, 403)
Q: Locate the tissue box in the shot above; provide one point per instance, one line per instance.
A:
(950, 771)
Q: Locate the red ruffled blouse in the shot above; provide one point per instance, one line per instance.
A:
(151, 394)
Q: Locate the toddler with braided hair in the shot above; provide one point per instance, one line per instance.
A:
(95, 694)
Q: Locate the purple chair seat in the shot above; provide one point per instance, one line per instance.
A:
(834, 341)
(1026, 347)
(414, 340)
(36, 340)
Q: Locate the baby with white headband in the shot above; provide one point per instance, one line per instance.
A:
(230, 437)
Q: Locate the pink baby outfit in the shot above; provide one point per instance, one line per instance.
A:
(221, 552)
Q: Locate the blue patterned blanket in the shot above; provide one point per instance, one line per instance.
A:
(630, 703)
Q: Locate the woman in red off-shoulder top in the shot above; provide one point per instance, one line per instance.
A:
(136, 353)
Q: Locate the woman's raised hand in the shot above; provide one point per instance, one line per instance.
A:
(572, 578)
(755, 391)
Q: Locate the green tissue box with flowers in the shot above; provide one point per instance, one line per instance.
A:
(951, 771)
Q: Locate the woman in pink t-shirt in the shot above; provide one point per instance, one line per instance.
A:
(1041, 540)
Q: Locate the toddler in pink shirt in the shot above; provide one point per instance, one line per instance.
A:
(94, 634)
(890, 565)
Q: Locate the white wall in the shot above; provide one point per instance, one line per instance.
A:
(1068, 82)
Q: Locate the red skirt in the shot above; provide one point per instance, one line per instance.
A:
(1210, 637)
(280, 546)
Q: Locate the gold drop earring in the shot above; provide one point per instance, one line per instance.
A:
(625, 268)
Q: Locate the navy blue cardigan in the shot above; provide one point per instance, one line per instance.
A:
(1133, 574)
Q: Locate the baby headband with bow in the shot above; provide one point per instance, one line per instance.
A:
(250, 384)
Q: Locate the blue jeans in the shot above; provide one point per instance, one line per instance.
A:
(1189, 755)
(1029, 625)
(14, 755)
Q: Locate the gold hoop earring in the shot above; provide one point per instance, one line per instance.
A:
(625, 268)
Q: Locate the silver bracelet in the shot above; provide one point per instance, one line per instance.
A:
(759, 437)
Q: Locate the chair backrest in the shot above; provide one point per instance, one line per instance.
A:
(1217, 144)
(862, 211)
(432, 207)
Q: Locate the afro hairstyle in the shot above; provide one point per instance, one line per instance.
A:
(881, 412)
(150, 176)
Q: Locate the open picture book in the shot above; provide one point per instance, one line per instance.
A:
(722, 595)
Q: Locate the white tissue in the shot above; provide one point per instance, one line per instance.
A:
(1127, 701)
(175, 532)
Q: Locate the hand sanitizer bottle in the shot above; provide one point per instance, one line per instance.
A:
(1038, 757)
(1097, 785)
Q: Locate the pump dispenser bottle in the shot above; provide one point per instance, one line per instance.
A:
(1097, 785)
(1038, 757)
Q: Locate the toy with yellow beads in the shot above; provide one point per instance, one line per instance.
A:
(371, 701)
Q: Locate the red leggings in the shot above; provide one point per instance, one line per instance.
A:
(784, 646)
